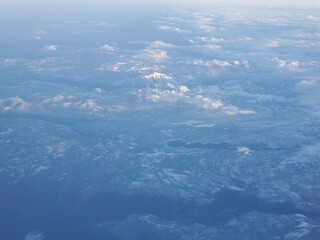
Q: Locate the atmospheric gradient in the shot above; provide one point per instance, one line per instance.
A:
(159, 122)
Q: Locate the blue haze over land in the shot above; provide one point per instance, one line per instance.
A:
(160, 122)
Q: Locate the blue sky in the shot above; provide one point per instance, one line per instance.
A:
(268, 3)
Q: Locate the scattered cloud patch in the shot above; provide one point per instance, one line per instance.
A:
(142, 68)
(8, 62)
(173, 29)
(107, 48)
(14, 104)
(55, 99)
(158, 95)
(157, 75)
(117, 67)
(220, 63)
(273, 44)
(160, 44)
(244, 150)
(184, 89)
(34, 235)
(208, 103)
(156, 55)
(51, 48)
(48, 64)
(287, 64)
(210, 40)
(184, 94)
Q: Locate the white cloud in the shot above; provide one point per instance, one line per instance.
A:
(108, 48)
(210, 40)
(273, 44)
(244, 150)
(157, 95)
(233, 110)
(160, 44)
(90, 104)
(117, 67)
(14, 104)
(51, 48)
(8, 62)
(212, 63)
(287, 64)
(34, 236)
(141, 68)
(98, 90)
(157, 75)
(208, 103)
(55, 99)
(184, 94)
(184, 89)
(156, 55)
(173, 29)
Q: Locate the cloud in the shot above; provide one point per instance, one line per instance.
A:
(34, 236)
(220, 63)
(156, 55)
(90, 104)
(157, 75)
(184, 94)
(157, 95)
(160, 44)
(244, 150)
(141, 68)
(55, 99)
(184, 89)
(107, 48)
(287, 64)
(8, 62)
(48, 64)
(208, 103)
(212, 63)
(210, 40)
(117, 67)
(272, 44)
(14, 104)
(173, 29)
(51, 48)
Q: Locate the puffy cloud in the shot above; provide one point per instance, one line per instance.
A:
(51, 48)
(157, 95)
(14, 104)
(141, 68)
(156, 55)
(244, 150)
(287, 64)
(108, 48)
(208, 103)
(160, 44)
(157, 75)
(98, 90)
(183, 94)
(90, 104)
(55, 99)
(210, 40)
(184, 89)
(173, 29)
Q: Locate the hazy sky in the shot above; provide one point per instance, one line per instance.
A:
(268, 3)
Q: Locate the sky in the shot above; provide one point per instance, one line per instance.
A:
(75, 3)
